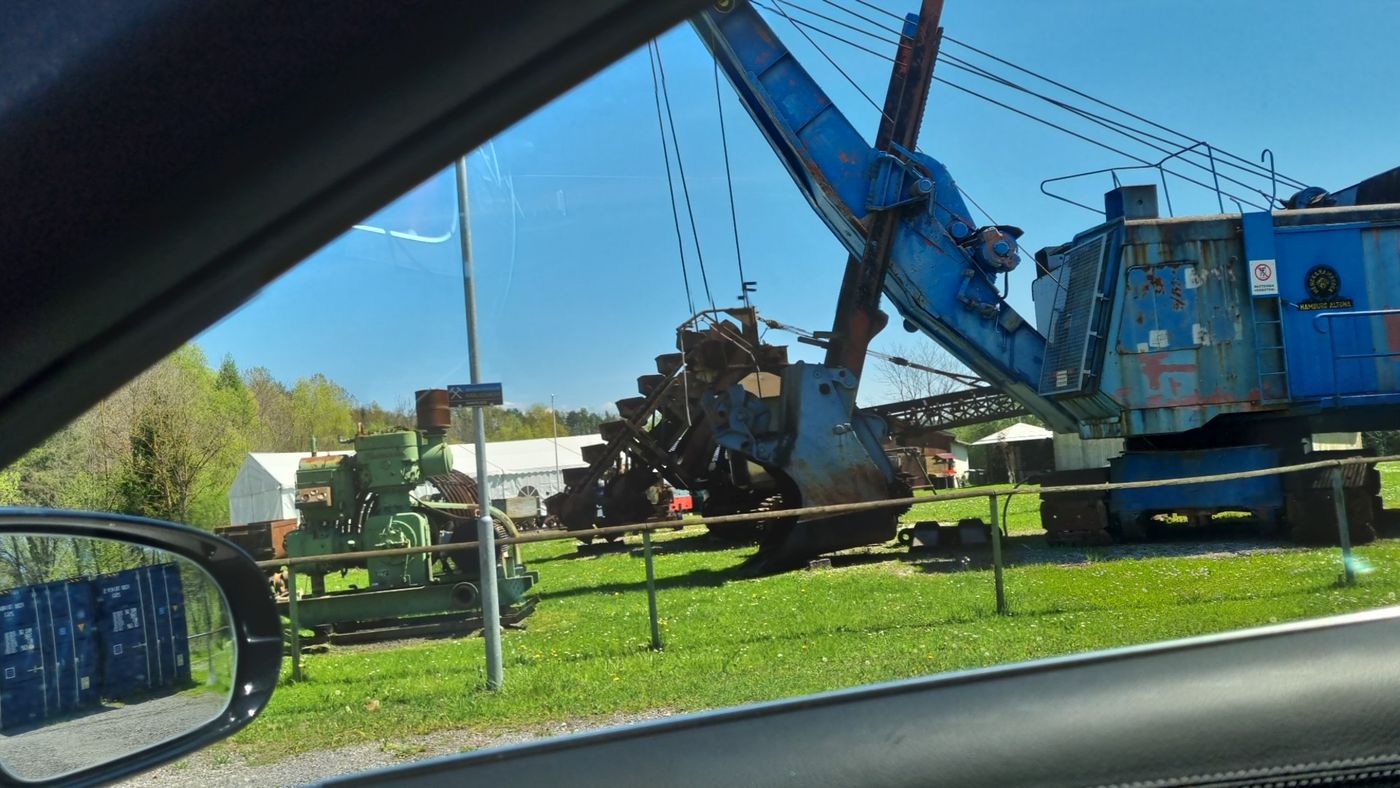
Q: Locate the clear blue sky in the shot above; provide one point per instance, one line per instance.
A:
(576, 251)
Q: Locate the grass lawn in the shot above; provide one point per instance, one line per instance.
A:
(878, 615)
(1022, 514)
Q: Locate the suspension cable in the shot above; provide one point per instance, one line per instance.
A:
(670, 185)
(1113, 107)
(1232, 160)
(884, 11)
(680, 167)
(846, 25)
(1100, 120)
(1093, 141)
(729, 182)
(881, 25)
(799, 25)
(959, 377)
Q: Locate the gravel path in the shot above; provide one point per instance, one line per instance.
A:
(206, 770)
(105, 734)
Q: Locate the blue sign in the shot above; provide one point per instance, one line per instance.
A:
(475, 395)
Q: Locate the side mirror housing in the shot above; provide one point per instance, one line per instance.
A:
(125, 643)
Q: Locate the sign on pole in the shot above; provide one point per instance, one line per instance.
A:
(475, 395)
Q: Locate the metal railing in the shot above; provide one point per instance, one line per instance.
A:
(1348, 576)
(211, 675)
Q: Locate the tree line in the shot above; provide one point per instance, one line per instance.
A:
(169, 443)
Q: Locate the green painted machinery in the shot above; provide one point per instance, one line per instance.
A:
(369, 502)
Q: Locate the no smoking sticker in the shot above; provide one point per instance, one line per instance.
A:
(1263, 277)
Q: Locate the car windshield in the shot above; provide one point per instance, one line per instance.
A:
(712, 477)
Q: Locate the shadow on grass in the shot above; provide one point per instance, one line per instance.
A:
(1032, 549)
(698, 578)
(692, 543)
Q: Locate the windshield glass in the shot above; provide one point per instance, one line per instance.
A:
(712, 478)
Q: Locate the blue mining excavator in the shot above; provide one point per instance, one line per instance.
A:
(1205, 344)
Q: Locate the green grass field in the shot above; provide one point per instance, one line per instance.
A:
(877, 615)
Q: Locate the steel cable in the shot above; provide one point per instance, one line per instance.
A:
(680, 167)
(1235, 161)
(1259, 170)
(799, 25)
(729, 182)
(670, 185)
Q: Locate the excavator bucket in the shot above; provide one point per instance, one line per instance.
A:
(824, 451)
(786, 544)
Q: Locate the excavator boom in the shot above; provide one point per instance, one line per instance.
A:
(940, 268)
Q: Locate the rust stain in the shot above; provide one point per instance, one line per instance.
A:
(1196, 399)
(1154, 368)
(1392, 332)
(1155, 281)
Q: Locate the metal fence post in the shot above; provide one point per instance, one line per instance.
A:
(1339, 504)
(294, 621)
(656, 643)
(996, 556)
(209, 678)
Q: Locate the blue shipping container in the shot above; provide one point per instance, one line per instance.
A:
(48, 651)
(122, 634)
(20, 657)
(142, 630)
(21, 703)
(166, 595)
(68, 637)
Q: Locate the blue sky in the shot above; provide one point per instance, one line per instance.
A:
(576, 253)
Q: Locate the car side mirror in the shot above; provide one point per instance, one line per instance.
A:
(124, 643)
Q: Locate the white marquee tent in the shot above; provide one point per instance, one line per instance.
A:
(264, 487)
(1016, 433)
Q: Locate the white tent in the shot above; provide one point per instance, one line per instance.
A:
(1020, 431)
(1010, 440)
(266, 484)
(515, 465)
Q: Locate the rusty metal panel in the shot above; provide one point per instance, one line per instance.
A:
(1160, 311)
(1184, 351)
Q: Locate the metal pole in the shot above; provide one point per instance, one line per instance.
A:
(996, 556)
(295, 622)
(656, 643)
(1339, 503)
(554, 423)
(209, 678)
(485, 529)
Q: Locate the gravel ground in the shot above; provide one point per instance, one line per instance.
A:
(105, 735)
(213, 770)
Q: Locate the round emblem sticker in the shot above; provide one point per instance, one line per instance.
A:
(1322, 281)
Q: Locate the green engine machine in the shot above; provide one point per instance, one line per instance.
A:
(366, 502)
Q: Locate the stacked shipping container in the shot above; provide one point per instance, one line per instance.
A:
(66, 645)
(69, 646)
(143, 631)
